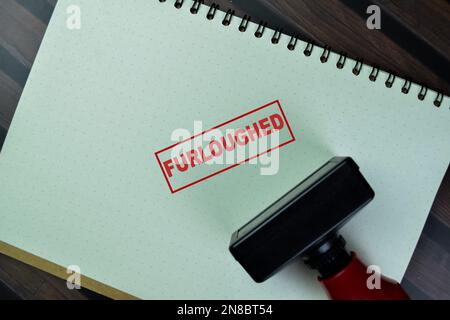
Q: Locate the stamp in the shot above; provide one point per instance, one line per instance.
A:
(243, 139)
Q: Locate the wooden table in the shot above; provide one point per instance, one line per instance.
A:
(412, 43)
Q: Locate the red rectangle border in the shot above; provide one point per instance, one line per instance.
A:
(234, 165)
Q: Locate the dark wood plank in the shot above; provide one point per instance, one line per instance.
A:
(428, 272)
(441, 206)
(30, 283)
(428, 19)
(429, 269)
(21, 32)
(52, 2)
(10, 93)
(25, 281)
(42, 10)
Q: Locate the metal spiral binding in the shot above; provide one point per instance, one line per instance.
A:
(309, 48)
(260, 31)
(278, 33)
(325, 54)
(358, 66)
(244, 23)
(374, 74)
(178, 4)
(406, 86)
(228, 16)
(196, 5)
(438, 99)
(341, 62)
(212, 11)
(390, 80)
(422, 93)
(292, 42)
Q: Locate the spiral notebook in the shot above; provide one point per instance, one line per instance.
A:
(82, 170)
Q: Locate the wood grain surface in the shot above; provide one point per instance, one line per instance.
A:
(413, 42)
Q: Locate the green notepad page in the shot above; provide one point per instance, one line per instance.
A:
(80, 184)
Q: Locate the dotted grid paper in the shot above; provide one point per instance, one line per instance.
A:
(80, 183)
